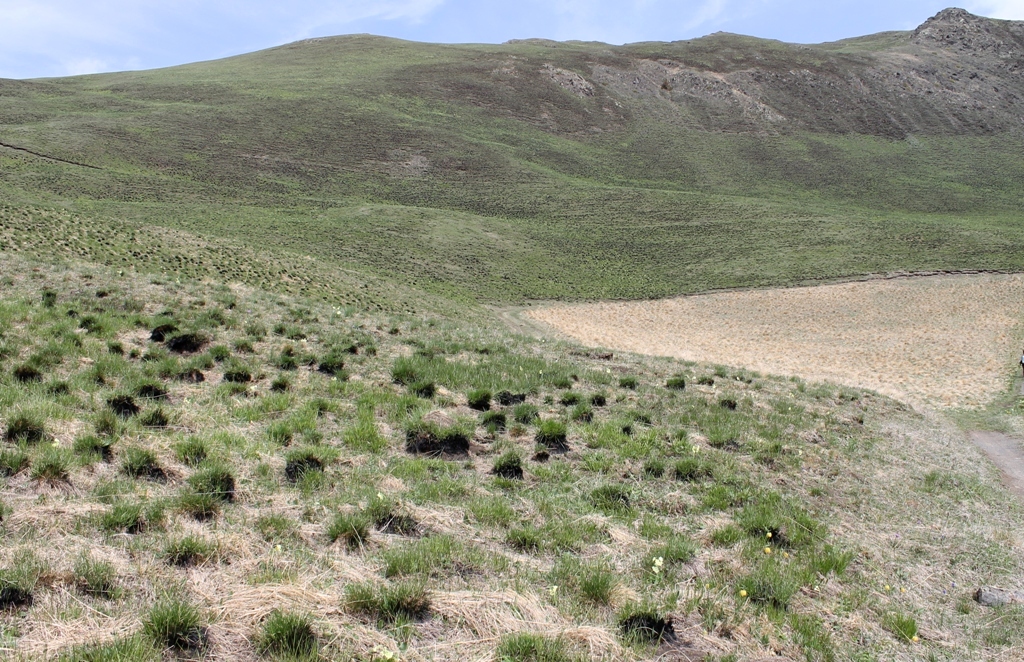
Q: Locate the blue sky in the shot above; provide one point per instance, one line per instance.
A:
(61, 37)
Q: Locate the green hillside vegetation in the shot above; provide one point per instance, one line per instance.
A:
(217, 470)
(256, 402)
(538, 170)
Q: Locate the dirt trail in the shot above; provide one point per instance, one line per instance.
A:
(1006, 453)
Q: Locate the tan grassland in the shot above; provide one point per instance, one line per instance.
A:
(945, 341)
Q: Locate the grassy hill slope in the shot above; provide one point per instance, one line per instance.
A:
(554, 170)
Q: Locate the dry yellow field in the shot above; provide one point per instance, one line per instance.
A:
(943, 341)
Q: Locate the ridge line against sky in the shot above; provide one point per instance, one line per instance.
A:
(41, 38)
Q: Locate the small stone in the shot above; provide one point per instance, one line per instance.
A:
(998, 597)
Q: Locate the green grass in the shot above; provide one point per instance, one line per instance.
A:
(288, 636)
(176, 624)
(390, 603)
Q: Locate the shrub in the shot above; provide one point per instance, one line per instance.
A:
(427, 438)
(479, 399)
(676, 382)
(351, 528)
(26, 428)
(525, 413)
(406, 601)
(96, 578)
(191, 451)
(123, 406)
(288, 635)
(187, 551)
(174, 623)
(509, 465)
(216, 480)
(524, 647)
(552, 435)
(141, 463)
(628, 382)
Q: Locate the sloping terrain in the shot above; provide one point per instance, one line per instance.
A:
(196, 471)
(557, 170)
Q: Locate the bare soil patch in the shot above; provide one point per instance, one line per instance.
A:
(942, 341)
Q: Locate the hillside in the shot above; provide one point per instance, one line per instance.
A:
(537, 169)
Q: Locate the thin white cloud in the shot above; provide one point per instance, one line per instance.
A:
(1008, 9)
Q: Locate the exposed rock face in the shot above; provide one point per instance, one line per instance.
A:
(972, 35)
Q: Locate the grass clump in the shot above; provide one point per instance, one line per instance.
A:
(611, 499)
(552, 435)
(91, 448)
(129, 649)
(902, 625)
(141, 463)
(155, 418)
(123, 406)
(426, 438)
(509, 465)
(527, 647)
(479, 399)
(594, 581)
(570, 399)
(494, 421)
(288, 635)
(236, 372)
(676, 383)
(188, 551)
(582, 413)
(525, 539)
(693, 469)
(423, 389)
(645, 626)
(435, 555)
(769, 585)
(395, 603)
(12, 461)
(177, 624)
(301, 461)
(27, 373)
(630, 383)
(26, 428)
(353, 529)
(525, 413)
(96, 578)
(216, 481)
(124, 518)
(386, 516)
(192, 451)
(52, 465)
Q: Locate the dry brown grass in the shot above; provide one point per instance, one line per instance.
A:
(945, 341)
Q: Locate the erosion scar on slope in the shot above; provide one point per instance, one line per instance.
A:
(941, 341)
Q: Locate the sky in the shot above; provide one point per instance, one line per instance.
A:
(40, 38)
